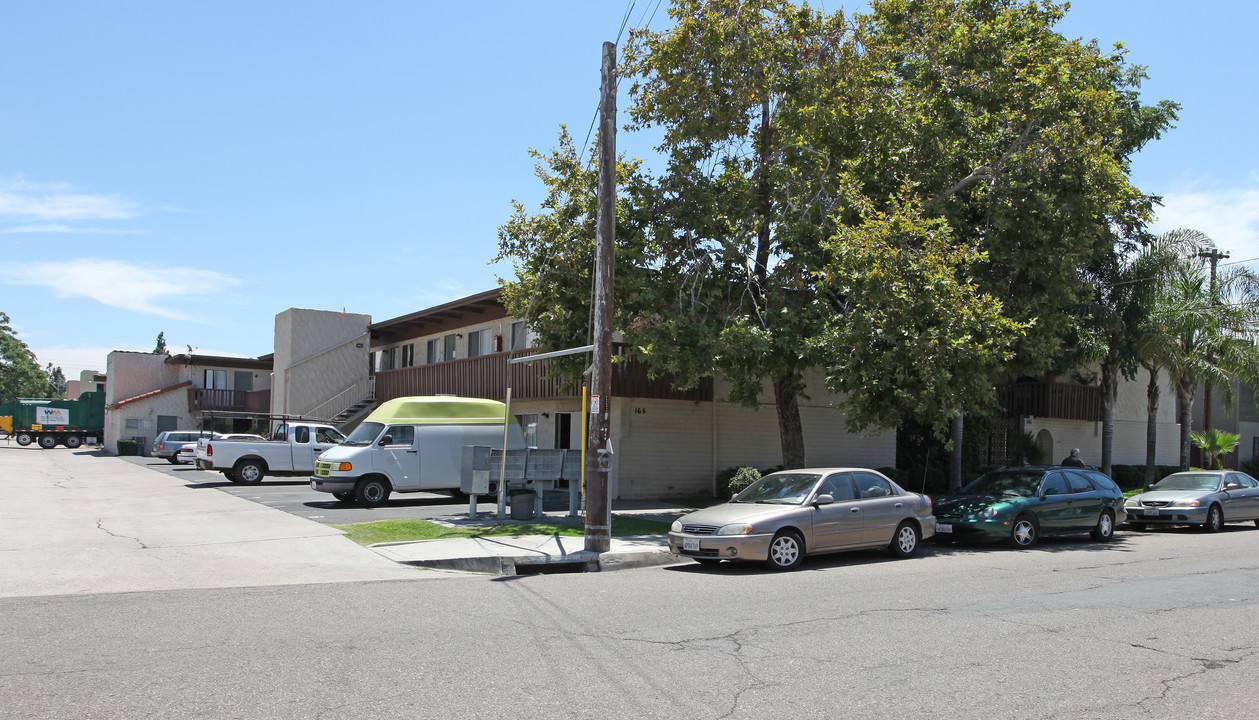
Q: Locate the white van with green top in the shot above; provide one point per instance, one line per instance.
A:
(411, 444)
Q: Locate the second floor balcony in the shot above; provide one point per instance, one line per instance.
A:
(486, 377)
(1059, 401)
(201, 399)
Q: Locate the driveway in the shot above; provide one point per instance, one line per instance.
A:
(81, 521)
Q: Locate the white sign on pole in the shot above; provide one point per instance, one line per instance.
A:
(594, 404)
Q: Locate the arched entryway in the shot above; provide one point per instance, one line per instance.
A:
(1045, 441)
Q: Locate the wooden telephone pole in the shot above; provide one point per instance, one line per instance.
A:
(598, 510)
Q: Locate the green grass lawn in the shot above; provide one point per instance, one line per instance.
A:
(405, 530)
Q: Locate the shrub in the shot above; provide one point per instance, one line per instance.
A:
(733, 479)
(127, 447)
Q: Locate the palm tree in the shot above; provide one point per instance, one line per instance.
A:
(1116, 318)
(1214, 443)
(1207, 336)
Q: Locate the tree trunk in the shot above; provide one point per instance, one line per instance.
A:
(790, 429)
(1151, 428)
(955, 462)
(1184, 396)
(1110, 387)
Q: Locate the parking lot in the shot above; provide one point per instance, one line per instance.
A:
(293, 495)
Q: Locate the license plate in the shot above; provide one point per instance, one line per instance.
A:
(944, 528)
(690, 544)
(313, 484)
(1150, 512)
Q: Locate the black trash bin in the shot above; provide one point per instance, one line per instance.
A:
(522, 502)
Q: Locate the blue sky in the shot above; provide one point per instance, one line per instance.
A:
(195, 168)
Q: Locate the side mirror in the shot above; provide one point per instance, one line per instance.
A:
(823, 499)
(1233, 486)
(386, 440)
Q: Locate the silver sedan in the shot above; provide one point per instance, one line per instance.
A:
(786, 515)
(1207, 498)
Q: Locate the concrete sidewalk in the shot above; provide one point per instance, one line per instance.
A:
(536, 554)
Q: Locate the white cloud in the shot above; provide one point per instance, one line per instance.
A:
(57, 202)
(1229, 216)
(61, 228)
(139, 287)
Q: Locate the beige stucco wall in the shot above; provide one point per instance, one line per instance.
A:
(316, 358)
(131, 374)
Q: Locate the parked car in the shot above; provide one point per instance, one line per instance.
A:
(167, 444)
(789, 514)
(1206, 498)
(188, 452)
(1019, 504)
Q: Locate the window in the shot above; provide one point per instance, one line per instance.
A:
(476, 342)
(433, 351)
(216, 380)
(328, 435)
(448, 351)
(401, 435)
(518, 333)
(389, 358)
(839, 486)
(873, 486)
(1054, 484)
(1079, 483)
(301, 434)
(139, 424)
(408, 355)
(529, 426)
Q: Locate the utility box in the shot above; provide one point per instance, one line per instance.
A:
(474, 477)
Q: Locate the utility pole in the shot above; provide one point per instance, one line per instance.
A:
(598, 509)
(1215, 256)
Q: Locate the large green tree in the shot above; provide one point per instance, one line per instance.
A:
(20, 375)
(840, 187)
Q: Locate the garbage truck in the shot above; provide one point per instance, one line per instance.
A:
(50, 422)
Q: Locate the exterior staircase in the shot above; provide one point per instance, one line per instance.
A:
(354, 413)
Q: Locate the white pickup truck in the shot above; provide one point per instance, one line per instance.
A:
(292, 450)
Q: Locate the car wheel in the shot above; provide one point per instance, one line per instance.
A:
(786, 550)
(47, 442)
(1024, 531)
(73, 441)
(1136, 527)
(249, 472)
(905, 541)
(345, 497)
(172, 460)
(1105, 528)
(1215, 520)
(24, 439)
(371, 492)
(229, 475)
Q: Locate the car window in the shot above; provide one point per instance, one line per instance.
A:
(1101, 482)
(1054, 484)
(1247, 481)
(327, 435)
(1079, 483)
(301, 434)
(839, 486)
(873, 486)
(402, 435)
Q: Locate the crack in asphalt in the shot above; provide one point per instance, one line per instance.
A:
(100, 525)
(1206, 665)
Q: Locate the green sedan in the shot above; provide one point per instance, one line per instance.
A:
(1020, 504)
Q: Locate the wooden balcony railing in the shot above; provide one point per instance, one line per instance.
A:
(486, 377)
(1050, 400)
(200, 399)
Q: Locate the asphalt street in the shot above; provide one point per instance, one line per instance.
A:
(1150, 625)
